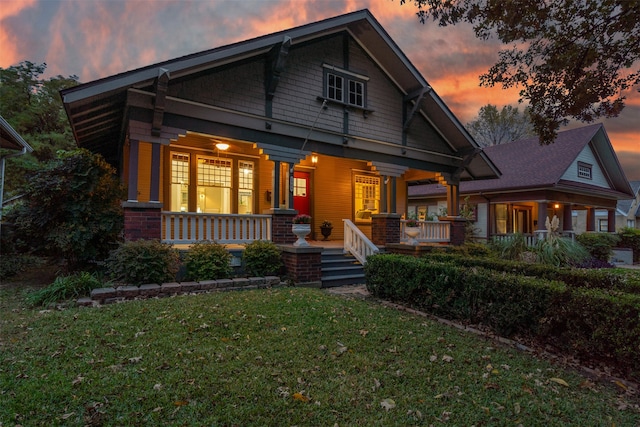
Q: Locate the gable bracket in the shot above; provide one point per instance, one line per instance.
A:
(275, 65)
(161, 85)
(417, 97)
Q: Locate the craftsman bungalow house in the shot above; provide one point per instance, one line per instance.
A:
(572, 179)
(329, 119)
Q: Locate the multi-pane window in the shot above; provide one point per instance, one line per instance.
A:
(345, 87)
(179, 182)
(367, 196)
(245, 187)
(584, 170)
(214, 185)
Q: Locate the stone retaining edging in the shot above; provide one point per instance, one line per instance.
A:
(115, 294)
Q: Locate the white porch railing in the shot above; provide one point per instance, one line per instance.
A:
(191, 227)
(357, 243)
(530, 239)
(430, 231)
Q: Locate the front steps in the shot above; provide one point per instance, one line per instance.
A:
(339, 269)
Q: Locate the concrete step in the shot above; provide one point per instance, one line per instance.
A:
(339, 269)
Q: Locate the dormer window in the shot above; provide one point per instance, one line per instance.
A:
(584, 170)
(345, 87)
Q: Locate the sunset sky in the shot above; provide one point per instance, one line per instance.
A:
(98, 38)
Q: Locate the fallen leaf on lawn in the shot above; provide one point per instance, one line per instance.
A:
(388, 404)
(181, 403)
(157, 387)
(559, 381)
(363, 332)
(447, 358)
(621, 385)
(66, 416)
(77, 380)
(376, 384)
(516, 408)
(300, 397)
(135, 359)
(433, 358)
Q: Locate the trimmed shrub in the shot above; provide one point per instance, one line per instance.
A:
(262, 258)
(65, 288)
(208, 261)
(599, 245)
(630, 238)
(143, 261)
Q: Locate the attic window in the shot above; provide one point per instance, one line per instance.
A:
(345, 87)
(584, 170)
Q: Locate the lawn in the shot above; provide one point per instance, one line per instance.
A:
(281, 357)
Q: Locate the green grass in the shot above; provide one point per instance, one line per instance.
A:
(281, 357)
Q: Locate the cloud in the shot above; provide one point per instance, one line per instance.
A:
(630, 162)
(10, 54)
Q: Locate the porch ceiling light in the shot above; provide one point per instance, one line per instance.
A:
(314, 159)
(222, 146)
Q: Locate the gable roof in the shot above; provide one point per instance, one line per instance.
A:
(624, 206)
(96, 110)
(527, 165)
(10, 139)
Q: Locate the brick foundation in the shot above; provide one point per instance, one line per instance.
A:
(142, 221)
(385, 228)
(303, 264)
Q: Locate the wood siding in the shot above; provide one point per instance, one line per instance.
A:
(597, 176)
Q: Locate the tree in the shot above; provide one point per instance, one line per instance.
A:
(493, 127)
(71, 207)
(572, 58)
(33, 107)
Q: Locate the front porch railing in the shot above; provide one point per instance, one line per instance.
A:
(357, 243)
(430, 231)
(191, 227)
(529, 239)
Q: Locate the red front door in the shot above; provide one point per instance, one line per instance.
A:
(301, 193)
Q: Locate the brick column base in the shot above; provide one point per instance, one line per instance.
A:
(385, 228)
(457, 231)
(281, 221)
(142, 221)
(302, 264)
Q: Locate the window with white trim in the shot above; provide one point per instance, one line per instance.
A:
(245, 187)
(214, 185)
(366, 196)
(584, 170)
(345, 87)
(179, 182)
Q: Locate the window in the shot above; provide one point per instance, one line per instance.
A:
(603, 225)
(631, 223)
(245, 187)
(584, 170)
(501, 218)
(345, 87)
(214, 185)
(367, 197)
(179, 182)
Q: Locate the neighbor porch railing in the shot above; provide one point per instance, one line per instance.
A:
(191, 227)
(430, 231)
(356, 243)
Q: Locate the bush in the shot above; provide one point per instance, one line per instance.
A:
(143, 261)
(65, 288)
(630, 238)
(510, 247)
(262, 258)
(12, 264)
(599, 245)
(208, 261)
(560, 252)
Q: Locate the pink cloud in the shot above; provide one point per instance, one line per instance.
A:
(9, 54)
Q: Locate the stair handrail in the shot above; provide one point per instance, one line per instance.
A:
(356, 243)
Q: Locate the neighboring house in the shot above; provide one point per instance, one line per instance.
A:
(11, 145)
(328, 119)
(627, 212)
(572, 178)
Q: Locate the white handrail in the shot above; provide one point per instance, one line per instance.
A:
(430, 231)
(191, 227)
(357, 243)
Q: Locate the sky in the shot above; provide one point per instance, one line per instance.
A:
(98, 38)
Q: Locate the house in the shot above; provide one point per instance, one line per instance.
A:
(627, 212)
(572, 178)
(11, 145)
(328, 119)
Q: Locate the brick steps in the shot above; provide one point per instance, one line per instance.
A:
(111, 295)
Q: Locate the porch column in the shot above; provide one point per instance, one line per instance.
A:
(453, 200)
(383, 195)
(591, 219)
(275, 197)
(567, 217)
(393, 194)
(132, 180)
(154, 191)
(541, 232)
(611, 220)
(385, 228)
